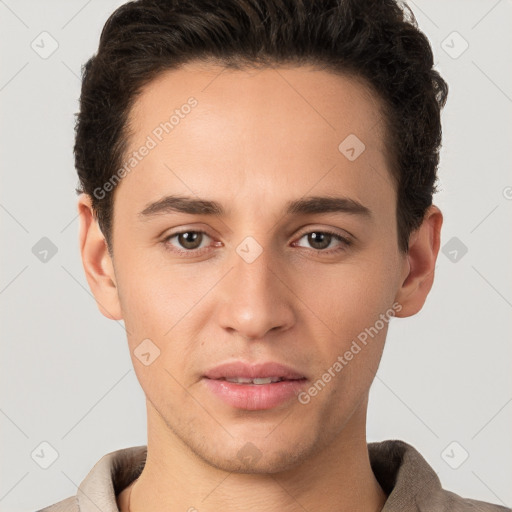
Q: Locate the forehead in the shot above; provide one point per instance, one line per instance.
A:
(257, 133)
(319, 101)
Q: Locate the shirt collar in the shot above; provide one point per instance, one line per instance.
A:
(401, 471)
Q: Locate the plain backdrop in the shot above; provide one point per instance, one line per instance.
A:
(445, 381)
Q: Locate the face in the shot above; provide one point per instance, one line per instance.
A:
(231, 283)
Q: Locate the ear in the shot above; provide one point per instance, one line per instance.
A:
(419, 263)
(97, 261)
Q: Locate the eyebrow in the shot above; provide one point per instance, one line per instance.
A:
(303, 206)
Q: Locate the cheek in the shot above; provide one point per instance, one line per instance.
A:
(348, 341)
(153, 299)
(166, 306)
(348, 297)
(346, 302)
(155, 303)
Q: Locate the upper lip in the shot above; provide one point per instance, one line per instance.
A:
(252, 371)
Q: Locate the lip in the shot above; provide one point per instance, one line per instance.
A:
(252, 371)
(254, 397)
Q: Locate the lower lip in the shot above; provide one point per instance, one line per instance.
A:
(255, 397)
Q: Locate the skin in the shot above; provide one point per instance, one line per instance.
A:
(255, 140)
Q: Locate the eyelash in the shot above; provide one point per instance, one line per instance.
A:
(345, 242)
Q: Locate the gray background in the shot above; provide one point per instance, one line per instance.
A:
(66, 375)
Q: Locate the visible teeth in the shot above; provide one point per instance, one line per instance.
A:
(240, 380)
(266, 380)
(243, 380)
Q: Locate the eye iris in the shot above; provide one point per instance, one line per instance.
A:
(189, 239)
(315, 238)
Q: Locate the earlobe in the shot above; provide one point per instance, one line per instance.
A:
(97, 261)
(419, 265)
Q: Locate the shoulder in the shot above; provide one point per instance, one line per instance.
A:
(412, 484)
(67, 505)
(108, 477)
(447, 501)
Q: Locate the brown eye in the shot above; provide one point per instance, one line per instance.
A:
(321, 240)
(185, 241)
(190, 239)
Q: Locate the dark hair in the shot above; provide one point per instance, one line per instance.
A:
(376, 40)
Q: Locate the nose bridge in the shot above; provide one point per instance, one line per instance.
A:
(253, 270)
(254, 298)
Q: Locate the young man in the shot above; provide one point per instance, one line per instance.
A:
(256, 197)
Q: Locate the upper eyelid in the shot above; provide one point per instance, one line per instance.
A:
(331, 231)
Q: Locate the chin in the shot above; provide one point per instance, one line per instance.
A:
(256, 455)
(262, 463)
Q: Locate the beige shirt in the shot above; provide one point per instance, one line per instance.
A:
(404, 475)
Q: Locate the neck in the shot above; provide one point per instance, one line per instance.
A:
(337, 478)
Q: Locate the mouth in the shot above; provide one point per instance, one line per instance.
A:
(254, 387)
(243, 372)
(257, 381)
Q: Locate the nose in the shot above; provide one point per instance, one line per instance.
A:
(255, 297)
